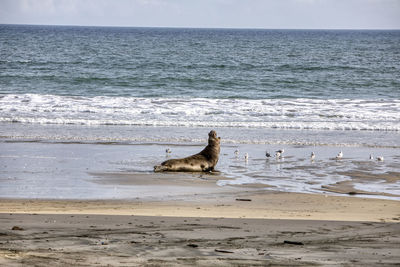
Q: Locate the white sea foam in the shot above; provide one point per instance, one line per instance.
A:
(333, 114)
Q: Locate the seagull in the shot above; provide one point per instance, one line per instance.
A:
(279, 153)
(246, 157)
(168, 151)
(380, 158)
(237, 152)
(312, 156)
(371, 157)
(339, 155)
(267, 154)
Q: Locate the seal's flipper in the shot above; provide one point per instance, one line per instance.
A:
(160, 168)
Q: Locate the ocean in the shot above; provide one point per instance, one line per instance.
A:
(151, 88)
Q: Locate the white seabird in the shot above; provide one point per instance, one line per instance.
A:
(380, 158)
(279, 153)
(312, 157)
(371, 157)
(339, 155)
(246, 157)
(236, 152)
(168, 151)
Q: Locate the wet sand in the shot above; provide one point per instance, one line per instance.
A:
(146, 219)
(225, 229)
(123, 171)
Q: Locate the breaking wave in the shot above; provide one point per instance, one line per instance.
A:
(313, 114)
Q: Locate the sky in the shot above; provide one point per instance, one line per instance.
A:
(267, 14)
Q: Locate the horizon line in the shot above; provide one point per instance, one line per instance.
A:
(211, 28)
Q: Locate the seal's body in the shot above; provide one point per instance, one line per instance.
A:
(204, 161)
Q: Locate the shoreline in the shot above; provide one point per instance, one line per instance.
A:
(87, 171)
(180, 219)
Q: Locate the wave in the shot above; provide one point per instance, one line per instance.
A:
(168, 141)
(300, 113)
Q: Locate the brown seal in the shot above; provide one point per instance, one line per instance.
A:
(204, 161)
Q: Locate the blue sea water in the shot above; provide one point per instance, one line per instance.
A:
(209, 63)
(310, 88)
(301, 79)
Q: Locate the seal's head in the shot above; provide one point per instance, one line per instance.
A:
(212, 134)
(213, 139)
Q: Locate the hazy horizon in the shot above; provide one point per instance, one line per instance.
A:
(214, 14)
(216, 28)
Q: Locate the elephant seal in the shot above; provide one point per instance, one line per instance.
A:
(203, 161)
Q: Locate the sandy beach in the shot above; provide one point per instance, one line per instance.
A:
(237, 228)
(307, 170)
(67, 204)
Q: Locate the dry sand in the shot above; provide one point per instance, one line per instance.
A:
(262, 205)
(101, 240)
(249, 228)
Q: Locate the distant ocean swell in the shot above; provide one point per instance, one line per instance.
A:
(301, 113)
